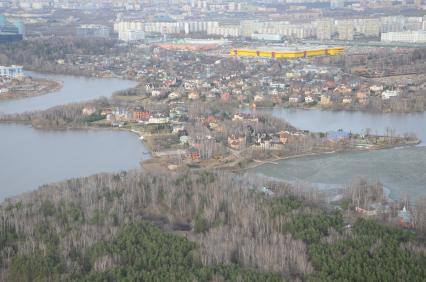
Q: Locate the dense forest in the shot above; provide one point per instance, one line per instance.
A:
(196, 226)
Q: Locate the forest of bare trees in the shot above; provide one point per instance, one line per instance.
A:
(41, 55)
(228, 217)
(385, 61)
(59, 117)
(231, 223)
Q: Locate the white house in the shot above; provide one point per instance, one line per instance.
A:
(155, 93)
(376, 88)
(387, 94)
(309, 99)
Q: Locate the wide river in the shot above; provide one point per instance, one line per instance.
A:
(401, 170)
(30, 158)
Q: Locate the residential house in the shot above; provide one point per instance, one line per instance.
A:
(342, 89)
(193, 95)
(405, 218)
(158, 119)
(236, 142)
(117, 123)
(325, 100)
(176, 128)
(258, 98)
(294, 99)
(270, 145)
(347, 100)
(245, 117)
(138, 115)
(193, 153)
(309, 99)
(184, 140)
(174, 95)
(387, 94)
(361, 95)
(274, 92)
(284, 135)
(376, 89)
(120, 114)
(88, 110)
(155, 93)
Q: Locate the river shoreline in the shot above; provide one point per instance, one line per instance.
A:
(70, 73)
(257, 163)
(157, 163)
(31, 157)
(304, 107)
(235, 165)
(252, 163)
(328, 109)
(46, 86)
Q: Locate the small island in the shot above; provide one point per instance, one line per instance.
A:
(14, 84)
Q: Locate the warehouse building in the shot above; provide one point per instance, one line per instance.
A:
(287, 53)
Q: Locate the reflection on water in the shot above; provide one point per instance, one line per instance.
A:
(316, 120)
(75, 89)
(30, 157)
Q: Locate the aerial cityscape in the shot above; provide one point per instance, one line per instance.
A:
(212, 140)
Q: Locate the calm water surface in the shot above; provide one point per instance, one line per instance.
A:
(75, 89)
(402, 170)
(357, 122)
(30, 157)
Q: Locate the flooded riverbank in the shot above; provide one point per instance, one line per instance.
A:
(401, 170)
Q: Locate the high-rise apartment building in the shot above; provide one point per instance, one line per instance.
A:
(405, 36)
(345, 29)
(11, 30)
(324, 29)
(368, 27)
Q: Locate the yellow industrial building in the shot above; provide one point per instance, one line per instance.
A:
(288, 54)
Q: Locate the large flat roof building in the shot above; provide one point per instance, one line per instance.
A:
(277, 52)
(11, 71)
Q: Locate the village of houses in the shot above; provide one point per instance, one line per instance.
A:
(196, 134)
(200, 107)
(256, 82)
